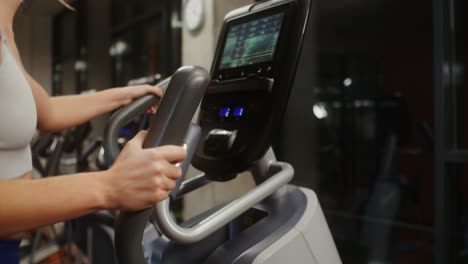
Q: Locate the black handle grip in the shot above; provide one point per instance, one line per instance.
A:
(168, 127)
(122, 117)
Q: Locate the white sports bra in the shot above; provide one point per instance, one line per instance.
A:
(18, 116)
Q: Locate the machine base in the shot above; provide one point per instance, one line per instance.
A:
(287, 227)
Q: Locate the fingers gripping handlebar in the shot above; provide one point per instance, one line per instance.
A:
(171, 125)
(122, 117)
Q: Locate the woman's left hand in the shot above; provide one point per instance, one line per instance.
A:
(134, 92)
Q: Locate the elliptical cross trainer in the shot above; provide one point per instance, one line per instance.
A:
(242, 104)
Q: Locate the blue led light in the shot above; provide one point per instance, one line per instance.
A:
(239, 111)
(126, 132)
(224, 112)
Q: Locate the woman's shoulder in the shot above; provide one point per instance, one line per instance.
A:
(5, 35)
(7, 39)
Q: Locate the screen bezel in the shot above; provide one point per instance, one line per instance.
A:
(234, 73)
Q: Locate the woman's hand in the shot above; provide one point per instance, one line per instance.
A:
(141, 177)
(131, 93)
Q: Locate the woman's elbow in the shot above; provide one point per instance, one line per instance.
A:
(47, 126)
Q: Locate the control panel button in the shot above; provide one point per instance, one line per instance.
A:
(219, 141)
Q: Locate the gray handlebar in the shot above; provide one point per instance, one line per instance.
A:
(168, 127)
(283, 174)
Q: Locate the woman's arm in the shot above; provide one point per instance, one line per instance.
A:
(58, 113)
(139, 179)
(28, 204)
(55, 114)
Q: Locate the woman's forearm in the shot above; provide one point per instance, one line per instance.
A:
(58, 113)
(138, 179)
(72, 110)
(28, 204)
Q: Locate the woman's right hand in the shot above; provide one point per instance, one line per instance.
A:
(141, 177)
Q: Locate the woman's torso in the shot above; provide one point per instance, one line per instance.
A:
(18, 120)
(18, 117)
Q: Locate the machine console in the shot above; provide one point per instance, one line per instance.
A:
(249, 88)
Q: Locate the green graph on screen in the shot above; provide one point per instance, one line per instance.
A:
(260, 45)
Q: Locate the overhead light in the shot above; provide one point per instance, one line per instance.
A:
(348, 82)
(320, 111)
(81, 66)
(119, 48)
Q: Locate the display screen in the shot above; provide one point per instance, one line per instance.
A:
(252, 42)
(237, 112)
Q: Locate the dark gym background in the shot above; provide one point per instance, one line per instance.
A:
(375, 123)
